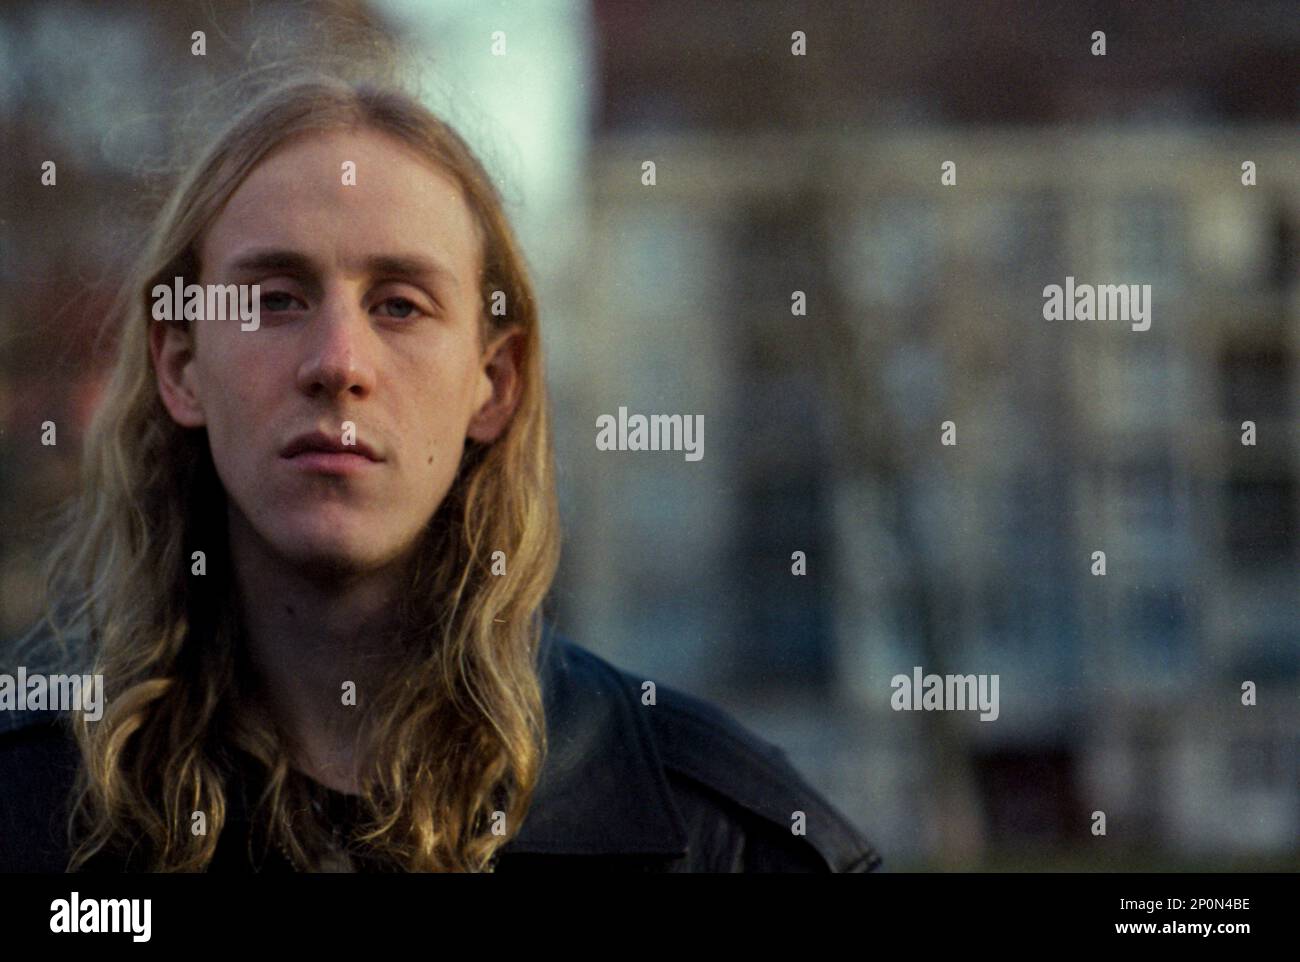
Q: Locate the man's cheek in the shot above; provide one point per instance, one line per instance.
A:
(232, 440)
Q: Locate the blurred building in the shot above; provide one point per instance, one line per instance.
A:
(1119, 693)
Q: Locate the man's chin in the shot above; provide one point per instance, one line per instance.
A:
(334, 560)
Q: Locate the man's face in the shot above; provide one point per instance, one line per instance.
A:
(370, 313)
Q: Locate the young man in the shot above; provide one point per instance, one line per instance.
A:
(313, 545)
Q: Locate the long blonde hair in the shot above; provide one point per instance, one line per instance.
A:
(458, 723)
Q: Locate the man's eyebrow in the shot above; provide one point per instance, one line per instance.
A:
(400, 265)
(275, 260)
(410, 266)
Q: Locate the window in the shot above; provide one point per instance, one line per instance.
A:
(1143, 241)
(1261, 516)
(1256, 380)
(1158, 622)
(890, 257)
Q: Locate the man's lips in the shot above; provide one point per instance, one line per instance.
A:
(318, 442)
(322, 453)
(330, 462)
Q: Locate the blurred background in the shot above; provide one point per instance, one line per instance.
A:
(820, 173)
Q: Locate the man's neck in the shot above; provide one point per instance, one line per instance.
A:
(308, 635)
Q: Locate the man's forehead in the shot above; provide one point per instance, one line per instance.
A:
(302, 199)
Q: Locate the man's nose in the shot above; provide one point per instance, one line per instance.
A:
(338, 347)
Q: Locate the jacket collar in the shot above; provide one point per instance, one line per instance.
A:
(602, 790)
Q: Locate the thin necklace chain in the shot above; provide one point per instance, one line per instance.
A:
(338, 850)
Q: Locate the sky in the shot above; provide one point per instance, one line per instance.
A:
(526, 110)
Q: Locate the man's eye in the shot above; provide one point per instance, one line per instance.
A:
(277, 301)
(400, 307)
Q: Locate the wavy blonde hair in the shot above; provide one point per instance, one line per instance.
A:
(458, 727)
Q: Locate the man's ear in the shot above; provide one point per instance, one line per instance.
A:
(500, 386)
(173, 356)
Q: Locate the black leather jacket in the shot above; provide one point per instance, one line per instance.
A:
(677, 786)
